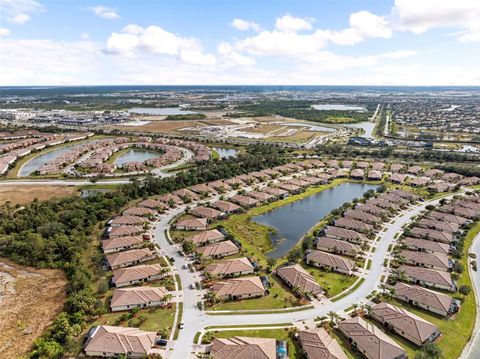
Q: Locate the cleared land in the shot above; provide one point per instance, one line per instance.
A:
(24, 194)
(29, 300)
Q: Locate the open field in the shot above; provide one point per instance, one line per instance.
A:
(161, 126)
(24, 194)
(298, 137)
(29, 300)
(263, 128)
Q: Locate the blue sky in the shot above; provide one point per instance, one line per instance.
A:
(317, 42)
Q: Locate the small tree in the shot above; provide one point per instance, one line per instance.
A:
(188, 247)
(465, 290)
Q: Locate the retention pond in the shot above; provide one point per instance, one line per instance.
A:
(292, 221)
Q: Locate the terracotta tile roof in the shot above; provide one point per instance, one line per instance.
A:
(275, 191)
(296, 276)
(120, 340)
(260, 196)
(207, 212)
(318, 344)
(192, 223)
(331, 260)
(213, 235)
(138, 211)
(121, 242)
(202, 188)
(123, 231)
(230, 266)
(152, 204)
(430, 298)
(239, 287)
(437, 260)
(226, 207)
(428, 275)
(347, 234)
(370, 339)
(372, 209)
(128, 220)
(137, 296)
(244, 348)
(425, 244)
(404, 321)
(362, 216)
(353, 224)
(135, 273)
(133, 255)
(337, 244)
(185, 193)
(244, 200)
(218, 249)
(438, 225)
(445, 237)
(441, 216)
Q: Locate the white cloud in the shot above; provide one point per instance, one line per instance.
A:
(84, 36)
(421, 16)
(230, 57)
(244, 25)
(136, 40)
(20, 18)
(289, 23)
(105, 12)
(4, 31)
(18, 11)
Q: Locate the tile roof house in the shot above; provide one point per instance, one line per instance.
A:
(442, 216)
(378, 202)
(220, 186)
(124, 231)
(429, 277)
(405, 195)
(396, 167)
(354, 225)
(110, 341)
(244, 347)
(370, 340)
(230, 267)
(218, 250)
(362, 216)
(337, 246)
(377, 211)
(130, 257)
(419, 181)
(458, 210)
(406, 324)
(297, 277)
(226, 207)
(202, 189)
(277, 192)
(431, 234)
(152, 204)
(239, 288)
(137, 297)
(186, 195)
(414, 170)
(138, 274)
(139, 211)
(121, 243)
(290, 188)
(244, 201)
(345, 234)
(207, 212)
(316, 343)
(357, 174)
(127, 221)
(435, 261)
(424, 245)
(374, 175)
(441, 187)
(326, 260)
(192, 224)
(170, 198)
(397, 178)
(207, 237)
(261, 196)
(378, 166)
(433, 172)
(438, 225)
(430, 300)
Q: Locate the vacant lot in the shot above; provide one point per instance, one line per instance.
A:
(25, 194)
(162, 126)
(29, 300)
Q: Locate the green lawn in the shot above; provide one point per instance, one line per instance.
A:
(278, 298)
(334, 283)
(157, 319)
(279, 334)
(347, 349)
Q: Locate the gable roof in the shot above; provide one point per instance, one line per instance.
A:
(318, 344)
(424, 296)
(370, 339)
(120, 340)
(244, 347)
(296, 276)
(137, 272)
(206, 236)
(137, 296)
(239, 286)
(330, 260)
(230, 266)
(121, 242)
(121, 258)
(428, 275)
(404, 321)
(216, 249)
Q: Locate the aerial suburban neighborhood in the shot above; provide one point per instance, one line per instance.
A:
(239, 179)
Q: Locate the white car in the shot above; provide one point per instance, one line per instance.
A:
(182, 324)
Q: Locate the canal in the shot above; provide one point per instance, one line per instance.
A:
(294, 220)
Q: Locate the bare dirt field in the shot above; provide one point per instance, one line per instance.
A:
(25, 194)
(161, 126)
(29, 300)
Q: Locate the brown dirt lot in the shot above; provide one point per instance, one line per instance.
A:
(161, 126)
(24, 194)
(29, 300)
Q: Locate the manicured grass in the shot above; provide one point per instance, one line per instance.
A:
(369, 264)
(156, 319)
(250, 326)
(179, 321)
(179, 282)
(279, 334)
(352, 289)
(215, 154)
(278, 298)
(334, 283)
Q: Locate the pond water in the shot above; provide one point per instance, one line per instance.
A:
(135, 155)
(365, 126)
(338, 107)
(293, 220)
(165, 111)
(225, 152)
(35, 163)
